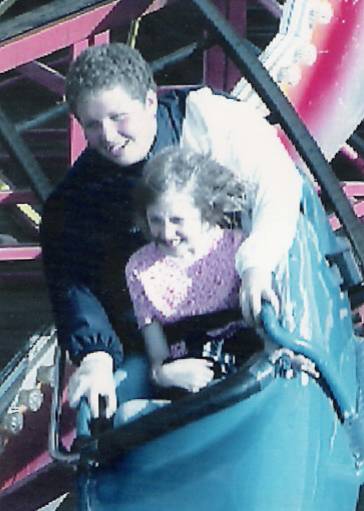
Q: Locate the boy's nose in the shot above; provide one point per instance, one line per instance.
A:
(109, 132)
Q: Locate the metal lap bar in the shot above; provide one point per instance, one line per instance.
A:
(249, 380)
(242, 385)
(303, 347)
(240, 52)
(55, 447)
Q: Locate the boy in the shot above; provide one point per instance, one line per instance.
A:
(87, 229)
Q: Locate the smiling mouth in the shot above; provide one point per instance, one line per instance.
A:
(170, 243)
(116, 149)
(174, 243)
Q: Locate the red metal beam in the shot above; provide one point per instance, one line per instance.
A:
(35, 44)
(7, 82)
(219, 71)
(354, 188)
(358, 210)
(44, 75)
(20, 253)
(17, 197)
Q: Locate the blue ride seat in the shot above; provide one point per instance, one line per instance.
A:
(277, 434)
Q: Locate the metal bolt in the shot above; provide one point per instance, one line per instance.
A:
(12, 422)
(32, 399)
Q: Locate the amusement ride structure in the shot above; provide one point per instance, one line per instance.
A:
(297, 62)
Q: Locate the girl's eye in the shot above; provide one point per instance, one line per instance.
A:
(155, 220)
(176, 220)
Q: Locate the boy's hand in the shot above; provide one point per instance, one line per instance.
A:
(187, 373)
(92, 379)
(256, 286)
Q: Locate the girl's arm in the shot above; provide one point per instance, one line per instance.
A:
(155, 344)
(188, 373)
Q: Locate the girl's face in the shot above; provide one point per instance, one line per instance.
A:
(118, 126)
(176, 226)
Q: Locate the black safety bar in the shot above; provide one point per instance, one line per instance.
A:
(104, 447)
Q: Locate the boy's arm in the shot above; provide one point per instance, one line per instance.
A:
(83, 327)
(243, 141)
(82, 324)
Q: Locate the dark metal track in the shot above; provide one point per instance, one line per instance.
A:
(240, 52)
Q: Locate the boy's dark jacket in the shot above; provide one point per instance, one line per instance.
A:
(87, 236)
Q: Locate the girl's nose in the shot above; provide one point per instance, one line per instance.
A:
(168, 230)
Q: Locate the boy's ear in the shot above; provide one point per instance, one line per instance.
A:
(151, 101)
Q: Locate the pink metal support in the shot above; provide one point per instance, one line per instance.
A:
(219, 72)
(44, 75)
(101, 38)
(358, 209)
(17, 197)
(7, 82)
(19, 252)
(35, 44)
(354, 190)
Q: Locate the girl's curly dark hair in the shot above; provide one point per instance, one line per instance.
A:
(215, 190)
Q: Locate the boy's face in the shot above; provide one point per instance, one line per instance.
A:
(119, 127)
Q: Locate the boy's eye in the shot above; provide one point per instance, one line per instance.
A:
(118, 117)
(155, 220)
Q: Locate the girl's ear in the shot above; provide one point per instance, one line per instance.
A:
(151, 101)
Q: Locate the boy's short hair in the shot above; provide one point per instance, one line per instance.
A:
(103, 67)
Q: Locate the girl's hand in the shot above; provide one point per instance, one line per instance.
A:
(187, 373)
(256, 286)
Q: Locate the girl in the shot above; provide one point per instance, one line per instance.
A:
(183, 203)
